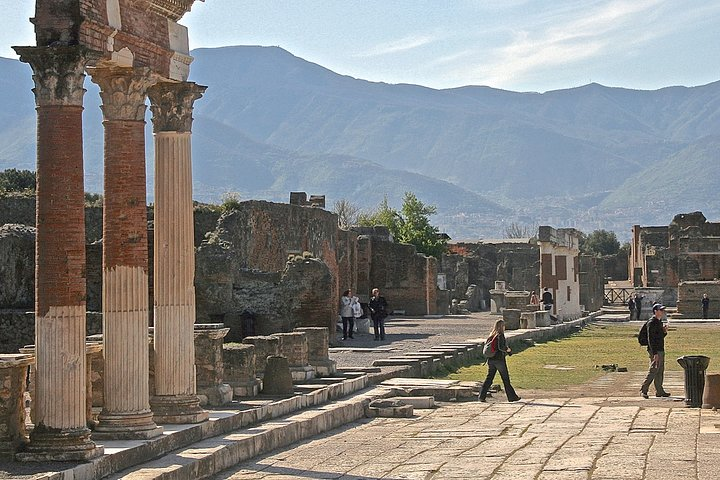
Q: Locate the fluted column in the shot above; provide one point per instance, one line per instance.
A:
(175, 399)
(126, 412)
(60, 431)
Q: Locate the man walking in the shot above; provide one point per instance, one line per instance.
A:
(705, 305)
(547, 299)
(656, 349)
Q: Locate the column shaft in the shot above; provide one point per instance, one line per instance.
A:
(60, 432)
(175, 399)
(126, 413)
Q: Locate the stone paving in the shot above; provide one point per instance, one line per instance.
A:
(549, 437)
(601, 430)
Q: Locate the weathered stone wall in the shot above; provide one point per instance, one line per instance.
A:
(686, 250)
(17, 266)
(516, 263)
(402, 276)
(17, 209)
(17, 328)
(690, 295)
(615, 267)
(592, 282)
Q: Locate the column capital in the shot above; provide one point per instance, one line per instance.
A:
(172, 105)
(58, 73)
(123, 91)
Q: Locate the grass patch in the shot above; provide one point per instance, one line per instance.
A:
(598, 344)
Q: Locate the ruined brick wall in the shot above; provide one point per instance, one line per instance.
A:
(616, 266)
(592, 282)
(402, 276)
(690, 294)
(518, 264)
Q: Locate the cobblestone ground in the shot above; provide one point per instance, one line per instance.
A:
(410, 335)
(550, 437)
(602, 430)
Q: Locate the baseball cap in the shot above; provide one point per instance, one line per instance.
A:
(658, 306)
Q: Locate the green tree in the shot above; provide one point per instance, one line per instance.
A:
(13, 180)
(385, 215)
(410, 225)
(600, 242)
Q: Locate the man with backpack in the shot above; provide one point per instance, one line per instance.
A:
(653, 335)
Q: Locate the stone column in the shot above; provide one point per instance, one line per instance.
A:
(60, 431)
(175, 399)
(126, 412)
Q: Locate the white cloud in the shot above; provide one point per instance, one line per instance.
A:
(396, 46)
(565, 37)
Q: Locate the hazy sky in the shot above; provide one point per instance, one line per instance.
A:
(524, 45)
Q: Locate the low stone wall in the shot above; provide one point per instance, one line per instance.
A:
(17, 328)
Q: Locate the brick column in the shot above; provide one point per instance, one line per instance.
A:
(60, 431)
(126, 412)
(175, 399)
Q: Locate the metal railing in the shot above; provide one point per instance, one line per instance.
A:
(617, 296)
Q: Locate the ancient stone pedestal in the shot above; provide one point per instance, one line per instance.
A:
(175, 399)
(528, 320)
(497, 298)
(517, 300)
(511, 317)
(209, 364)
(318, 353)
(239, 361)
(264, 347)
(294, 347)
(278, 379)
(711, 393)
(61, 432)
(542, 318)
(13, 370)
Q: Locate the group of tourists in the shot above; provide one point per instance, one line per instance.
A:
(351, 309)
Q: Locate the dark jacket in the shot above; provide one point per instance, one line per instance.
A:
(378, 307)
(656, 336)
(501, 347)
(547, 298)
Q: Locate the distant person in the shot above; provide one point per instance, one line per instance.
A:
(705, 305)
(378, 311)
(347, 306)
(534, 301)
(656, 349)
(547, 299)
(497, 363)
(638, 306)
(631, 307)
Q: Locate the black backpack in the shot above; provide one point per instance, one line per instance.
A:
(643, 335)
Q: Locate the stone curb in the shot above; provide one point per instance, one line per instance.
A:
(221, 423)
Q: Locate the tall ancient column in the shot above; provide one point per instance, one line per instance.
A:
(175, 399)
(60, 431)
(126, 413)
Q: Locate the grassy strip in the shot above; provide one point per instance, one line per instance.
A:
(575, 357)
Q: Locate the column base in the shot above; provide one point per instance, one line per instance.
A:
(126, 426)
(57, 445)
(324, 368)
(177, 409)
(302, 374)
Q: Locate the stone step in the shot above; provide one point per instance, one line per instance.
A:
(213, 455)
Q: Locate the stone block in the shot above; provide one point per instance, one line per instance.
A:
(277, 380)
(528, 320)
(265, 346)
(511, 317)
(711, 393)
(389, 409)
(294, 346)
(417, 402)
(542, 318)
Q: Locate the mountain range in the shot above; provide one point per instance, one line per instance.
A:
(270, 123)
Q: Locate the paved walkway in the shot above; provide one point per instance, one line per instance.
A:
(548, 437)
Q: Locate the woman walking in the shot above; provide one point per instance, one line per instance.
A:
(496, 363)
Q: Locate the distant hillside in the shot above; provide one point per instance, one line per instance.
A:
(589, 157)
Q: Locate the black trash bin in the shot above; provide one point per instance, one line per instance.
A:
(695, 366)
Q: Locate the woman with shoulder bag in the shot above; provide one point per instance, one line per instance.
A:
(497, 363)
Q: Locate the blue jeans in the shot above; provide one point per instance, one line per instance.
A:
(498, 365)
